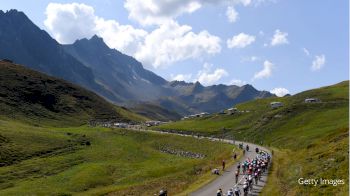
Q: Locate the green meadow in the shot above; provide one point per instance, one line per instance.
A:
(309, 140)
(94, 161)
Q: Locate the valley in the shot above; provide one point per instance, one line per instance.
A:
(95, 161)
(166, 102)
(47, 145)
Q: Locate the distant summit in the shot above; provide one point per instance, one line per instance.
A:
(24, 43)
(123, 75)
(118, 77)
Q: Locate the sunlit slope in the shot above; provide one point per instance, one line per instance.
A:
(97, 161)
(310, 140)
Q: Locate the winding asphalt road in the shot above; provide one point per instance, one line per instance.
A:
(227, 178)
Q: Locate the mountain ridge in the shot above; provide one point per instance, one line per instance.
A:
(117, 77)
(25, 43)
(121, 73)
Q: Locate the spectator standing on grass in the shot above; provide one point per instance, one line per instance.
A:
(223, 165)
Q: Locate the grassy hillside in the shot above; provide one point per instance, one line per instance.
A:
(309, 140)
(46, 148)
(39, 99)
(155, 112)
(96, 161)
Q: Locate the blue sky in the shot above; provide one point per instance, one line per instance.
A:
(275, 45)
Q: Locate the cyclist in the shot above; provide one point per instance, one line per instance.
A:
(237, 191)
(219, 193)
(230, 192)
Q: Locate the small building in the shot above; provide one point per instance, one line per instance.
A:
(121, 125)
(203, 114)
(312, 100)
(192, 116)
(185, 118)
(153, 123)
(232, 110)
(276, 104)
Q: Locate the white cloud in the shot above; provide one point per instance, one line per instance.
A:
(168, 43)
(245, 2)
(279, 38)
(258, 2)
(155, 12)
(232, 14)
(237, 82)
(121, 37)
(266, 72)
(207, 77)
(318, 62)
(159, 11)
(240, 41)
(306, 51)
(172, 42)
(181, 77)
(69, 22)
(280, 92)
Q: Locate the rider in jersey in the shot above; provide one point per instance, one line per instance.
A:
(219, 193)
(245, 187)
(250, 179)
(237, 191)
(256, 177)
(230, 192)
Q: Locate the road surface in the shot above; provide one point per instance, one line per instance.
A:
(226, 180)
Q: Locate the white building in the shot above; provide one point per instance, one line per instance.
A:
(153, 123)
(232, 110)
(121, 125)
(276, 104)
(312, 100)
(185, 118)
(204, 114)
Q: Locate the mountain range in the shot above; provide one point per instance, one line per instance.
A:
(119, 78)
